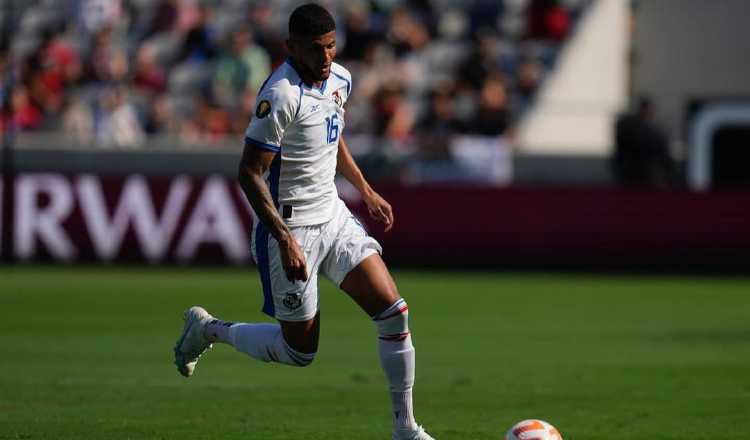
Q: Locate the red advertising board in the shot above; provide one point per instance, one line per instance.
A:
(181, 219)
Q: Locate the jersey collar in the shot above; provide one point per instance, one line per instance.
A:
(302, 83)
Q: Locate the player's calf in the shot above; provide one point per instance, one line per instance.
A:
(264, 342)
(397, 358)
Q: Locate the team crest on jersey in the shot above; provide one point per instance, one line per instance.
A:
(264, 108)
(293, 301)
(337, 98)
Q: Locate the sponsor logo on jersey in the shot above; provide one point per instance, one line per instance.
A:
(264, 108)
(293, 301)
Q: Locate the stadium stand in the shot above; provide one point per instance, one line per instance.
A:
(184, 73)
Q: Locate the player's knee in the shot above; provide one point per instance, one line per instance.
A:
(393, 322)
(297, 358)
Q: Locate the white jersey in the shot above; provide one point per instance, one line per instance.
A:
(302, 124)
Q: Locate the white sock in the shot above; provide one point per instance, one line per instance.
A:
(397, 358)
(266, 343)
(217, 331)
(398, 362)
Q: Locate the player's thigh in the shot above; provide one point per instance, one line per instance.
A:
(297, 300)
(302, 336)
(371, 286)
(354, 264)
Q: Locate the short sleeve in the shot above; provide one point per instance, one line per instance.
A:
(346, 77)
(274, 111)
(348, 86)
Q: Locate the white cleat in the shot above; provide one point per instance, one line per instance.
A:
(412, 434)
(192, 343)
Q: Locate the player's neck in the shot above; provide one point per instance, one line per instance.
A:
(304, 75)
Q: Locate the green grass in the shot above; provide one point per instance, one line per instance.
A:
(87, 353)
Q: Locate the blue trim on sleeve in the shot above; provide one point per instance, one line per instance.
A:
(261, 145)
(348, 84)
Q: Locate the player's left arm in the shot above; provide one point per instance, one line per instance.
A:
(378, 208)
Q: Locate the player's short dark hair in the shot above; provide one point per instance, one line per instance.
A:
(311, 20)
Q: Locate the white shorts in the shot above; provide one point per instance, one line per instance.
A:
(333, 248)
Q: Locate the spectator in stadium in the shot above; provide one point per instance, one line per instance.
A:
(218, 123)
(394, 117)
(437, 127)
(162, 117)
(60, 68)
(641, 157)
(231, 75)
(192, 27)
(482, 61)
(118, 123)
(528, 77)
(78, 121)
(485, 14)
(492, 116)
(149, 76)
(101, 59)
(548, 20)
(440, 123)
(208, 123)
(154, 18)
(256, 59)
(25, 114)
(359, 31)
(406, 33)
(244, 65)
(94, 15)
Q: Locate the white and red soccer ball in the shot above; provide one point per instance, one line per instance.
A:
(533, 430)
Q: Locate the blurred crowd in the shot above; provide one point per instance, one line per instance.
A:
(121, 72)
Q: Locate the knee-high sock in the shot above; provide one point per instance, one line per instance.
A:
(397, 358)
(265, 342)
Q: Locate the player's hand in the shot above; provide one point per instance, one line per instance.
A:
(380, 210)
(293, 260)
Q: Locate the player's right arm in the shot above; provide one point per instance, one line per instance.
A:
(277, 106)
(255, 162)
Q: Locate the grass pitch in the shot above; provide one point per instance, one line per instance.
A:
(87, 353)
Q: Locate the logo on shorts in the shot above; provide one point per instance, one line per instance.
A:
(293, 301)
(264, 108)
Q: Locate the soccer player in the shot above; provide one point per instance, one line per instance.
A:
(293, 149)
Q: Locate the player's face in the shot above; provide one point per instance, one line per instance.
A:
(314, 54)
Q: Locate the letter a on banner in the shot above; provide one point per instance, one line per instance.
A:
(215, 220)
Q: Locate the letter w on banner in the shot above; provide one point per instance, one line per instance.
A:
(136, 208)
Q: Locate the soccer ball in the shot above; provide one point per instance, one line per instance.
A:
(533, 430)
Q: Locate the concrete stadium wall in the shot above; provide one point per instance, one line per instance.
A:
(527, 170)
(689, 50)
